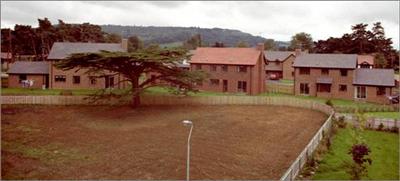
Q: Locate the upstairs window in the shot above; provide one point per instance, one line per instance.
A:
(60, 78)
(324, 71)
(304, 71)
(214, 82)
(225, 68)
(343, 73)
(198, 67)
(213, 68)
(242, 68)
(76, 79)
(380, 91)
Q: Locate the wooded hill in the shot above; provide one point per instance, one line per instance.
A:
(177, 35)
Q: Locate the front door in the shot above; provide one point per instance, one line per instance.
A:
(109, 81)
(225, 86)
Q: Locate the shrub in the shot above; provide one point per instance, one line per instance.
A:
(329, 103)
(394, 129)
(341, 122)
(380, 127)
(360, 157)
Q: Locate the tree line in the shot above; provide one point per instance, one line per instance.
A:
(26, 40)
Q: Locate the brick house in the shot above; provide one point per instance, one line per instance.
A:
(279, 64)
(77, 79)
(365, 61)
(337, 76)
(38, 72)
(234, 70)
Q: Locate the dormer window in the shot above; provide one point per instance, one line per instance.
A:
(242, 68)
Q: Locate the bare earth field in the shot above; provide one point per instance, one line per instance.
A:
(78, 142)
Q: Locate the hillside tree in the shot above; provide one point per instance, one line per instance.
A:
(242, 44)
(269, 44)
(134, 43)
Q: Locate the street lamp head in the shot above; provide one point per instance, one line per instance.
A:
(187, 122)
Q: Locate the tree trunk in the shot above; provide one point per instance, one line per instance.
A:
(136, 93)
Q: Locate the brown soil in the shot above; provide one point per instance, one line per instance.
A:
(228, 142)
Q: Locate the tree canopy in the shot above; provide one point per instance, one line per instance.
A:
(162, 63)
(25, 40)
(269, 44)
(302, 41)
(242, 44)
(363, 41)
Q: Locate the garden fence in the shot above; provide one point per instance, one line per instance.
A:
(280, 88)
(306, 154)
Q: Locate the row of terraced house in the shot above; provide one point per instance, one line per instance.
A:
(231, 70)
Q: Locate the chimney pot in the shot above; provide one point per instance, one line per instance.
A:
(297, 51)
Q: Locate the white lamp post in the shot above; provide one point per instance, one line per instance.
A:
(188, 123)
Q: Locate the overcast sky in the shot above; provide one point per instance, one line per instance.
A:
(277, 20)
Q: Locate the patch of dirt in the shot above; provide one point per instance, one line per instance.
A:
(228, 142)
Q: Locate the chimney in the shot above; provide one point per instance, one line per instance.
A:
(124, 44)
(260, 46)
(297, 51)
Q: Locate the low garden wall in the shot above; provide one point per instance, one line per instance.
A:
(292, 171)
(373, 123)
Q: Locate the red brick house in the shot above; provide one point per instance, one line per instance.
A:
(38, 72)
(234, 70)
(279, 64)
(78, 79)
(337, 76)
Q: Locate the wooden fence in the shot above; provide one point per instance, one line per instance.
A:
(279, 88)
(306, 154)
(373, 123)
(173, 100)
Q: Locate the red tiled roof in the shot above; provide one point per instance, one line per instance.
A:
(231, 56)
(365, 58)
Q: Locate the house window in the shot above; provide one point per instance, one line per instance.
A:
(22, 77)
(342, 88)
(225, 68)
(92, 80)
(199, 83)
(213, 68)
(304, 71)
(292, 73)
(304, 88)
(276, 63)
(242, 86)
(324, 87)
(380, 91)
(242, 69)
(198, 67)
(325, 71)
(361, 92)
(76, 79)
(214, 82)
(60, 78)
(343, 73)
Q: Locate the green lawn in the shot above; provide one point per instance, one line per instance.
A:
(384, 153)
(25, 91)
(284, 81)
(391, 115)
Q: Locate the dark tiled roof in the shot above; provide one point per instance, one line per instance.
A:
(25, 67)
(273, 67)
(348, 61)
(61, 50)
(277, 55)
(324, 80)
(377, 77)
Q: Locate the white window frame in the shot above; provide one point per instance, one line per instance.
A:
(356, 95)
